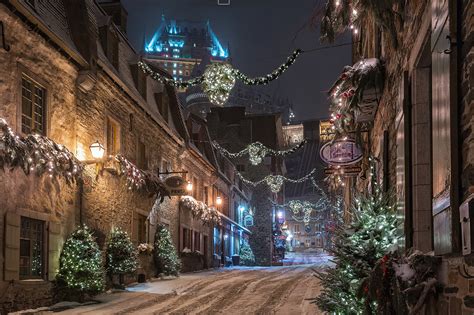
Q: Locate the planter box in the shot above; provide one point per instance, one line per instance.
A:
(236, 260)
(146, 266)
(191, 262)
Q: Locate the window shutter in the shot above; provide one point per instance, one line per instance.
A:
(12, 246)
(54, 249)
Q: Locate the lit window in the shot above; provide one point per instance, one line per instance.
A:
(180, 71)
(174, 65)
(174, 71)
(31, 248)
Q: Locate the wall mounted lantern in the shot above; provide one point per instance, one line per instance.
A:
(189, 187)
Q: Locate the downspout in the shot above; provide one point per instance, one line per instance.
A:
(455, 48)
(81, 194)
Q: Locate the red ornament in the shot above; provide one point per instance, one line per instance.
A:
(338, 116)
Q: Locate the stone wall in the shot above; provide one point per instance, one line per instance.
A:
(50, 200)
(76, 119)
(454, 274)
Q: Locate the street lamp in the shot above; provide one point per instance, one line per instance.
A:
(97, 150)
(218, 200)
(189, 187)
(280, 214)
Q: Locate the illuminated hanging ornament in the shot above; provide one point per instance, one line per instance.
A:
(219, 80)
(275, 182)
(257, 152)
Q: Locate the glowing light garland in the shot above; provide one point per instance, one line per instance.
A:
(37, 154)
(144, 181)
(298, 207)
(341, 15)
(219, 79)
(275, 182)
(208, 215)
(347, 92)
(257, 151)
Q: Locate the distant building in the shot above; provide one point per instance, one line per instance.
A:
(178, 46)
(298, 165)
(185, 48)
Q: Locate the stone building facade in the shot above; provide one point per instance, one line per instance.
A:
(422, 135)
(71, 75)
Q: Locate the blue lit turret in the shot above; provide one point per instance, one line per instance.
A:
(178, 46)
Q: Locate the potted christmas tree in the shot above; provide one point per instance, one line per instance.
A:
(81, 273)
(166, 258)
(121, 257)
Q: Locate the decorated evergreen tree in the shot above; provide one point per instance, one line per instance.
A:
(247, 257)
(121, 256)
(358, 246)
(80, 266)
(166, 258)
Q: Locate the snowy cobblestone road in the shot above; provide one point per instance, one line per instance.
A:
(240, 290)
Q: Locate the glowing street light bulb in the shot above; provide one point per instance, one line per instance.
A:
(97, 150)
(218, 200)
(189, 186)
(280, 214)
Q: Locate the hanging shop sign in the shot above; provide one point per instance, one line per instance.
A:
(248, 220)
(326, 133)
(341, 152)
(176, 185)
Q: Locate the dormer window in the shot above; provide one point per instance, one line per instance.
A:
(162, 102)
(139, 77)
(109, 42)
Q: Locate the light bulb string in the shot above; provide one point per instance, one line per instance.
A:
(259, 147)
(237, 73)
(272, 178)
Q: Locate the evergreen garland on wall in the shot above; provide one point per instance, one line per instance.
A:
(37, 154)
(342, 15)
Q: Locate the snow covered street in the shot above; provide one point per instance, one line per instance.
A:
(239, 290)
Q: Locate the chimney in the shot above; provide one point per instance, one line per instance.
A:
(115, 9)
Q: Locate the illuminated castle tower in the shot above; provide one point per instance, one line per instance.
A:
(179, 46)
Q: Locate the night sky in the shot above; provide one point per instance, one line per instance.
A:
(260, 35)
